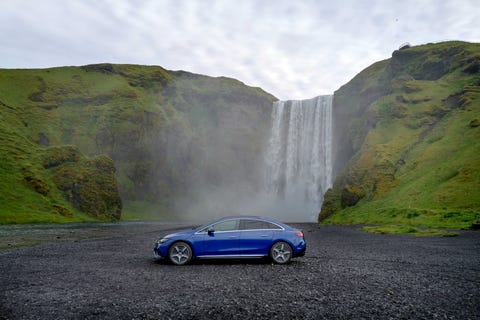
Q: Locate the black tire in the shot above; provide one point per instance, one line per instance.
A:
(281, 252)
(180, 253)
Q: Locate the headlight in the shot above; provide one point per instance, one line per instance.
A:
(163, 240)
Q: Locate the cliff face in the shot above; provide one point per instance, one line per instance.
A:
(407, 140)
(171, 135)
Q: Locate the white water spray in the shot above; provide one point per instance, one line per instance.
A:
(298, 166)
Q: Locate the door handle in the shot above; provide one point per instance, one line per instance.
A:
(232, 237)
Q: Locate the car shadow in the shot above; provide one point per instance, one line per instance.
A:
(262, 261)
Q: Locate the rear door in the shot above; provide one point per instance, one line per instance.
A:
(256, 237)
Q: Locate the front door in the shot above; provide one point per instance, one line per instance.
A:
(221, 239)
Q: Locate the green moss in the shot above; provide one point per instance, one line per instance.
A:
(56, 156)
(28, 191)
(420, 232)
(351, 195)
(155, 124)
(414, 152)
(331, 204)
(35, 183)
(474, 123)
(91, 187)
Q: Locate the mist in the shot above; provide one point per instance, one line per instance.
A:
(284, 177)
(213, 147)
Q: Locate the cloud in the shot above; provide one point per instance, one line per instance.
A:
(292, 49)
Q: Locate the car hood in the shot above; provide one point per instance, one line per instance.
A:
(180, 233)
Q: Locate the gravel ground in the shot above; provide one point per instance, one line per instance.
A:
(346, 274)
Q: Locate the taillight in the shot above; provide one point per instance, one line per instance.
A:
(299, 234)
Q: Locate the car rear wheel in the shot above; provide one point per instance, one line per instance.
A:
(281, 252)
(180, 253)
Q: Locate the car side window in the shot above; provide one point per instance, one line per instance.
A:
(229, 225)
(269, 225)
(247, 224)
(251, 224)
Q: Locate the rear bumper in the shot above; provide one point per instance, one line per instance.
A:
(301, 253)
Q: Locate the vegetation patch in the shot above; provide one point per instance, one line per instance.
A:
(474, 123)
(168, 134)
(56, 156)
(414, 231)
(417, 162)
(91, 187)
(35, 183)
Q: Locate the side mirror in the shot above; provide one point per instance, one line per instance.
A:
(210, 231)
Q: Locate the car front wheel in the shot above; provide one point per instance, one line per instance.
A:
(281, 252)
(180, 253)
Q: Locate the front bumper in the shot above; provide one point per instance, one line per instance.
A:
(157, 254)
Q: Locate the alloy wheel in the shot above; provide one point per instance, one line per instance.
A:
(180, 253)
(281, 252)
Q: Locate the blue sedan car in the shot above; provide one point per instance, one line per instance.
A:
(233, 237)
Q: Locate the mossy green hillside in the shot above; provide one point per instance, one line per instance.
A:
(411, 140)
(29, 190)
(165, 131)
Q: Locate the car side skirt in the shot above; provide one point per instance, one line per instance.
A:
(232, 256)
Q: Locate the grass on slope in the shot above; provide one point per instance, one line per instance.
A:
(19, 202)
(439, 184)
(147, 119)
(68, 105)
(428, 139)
(420, 232)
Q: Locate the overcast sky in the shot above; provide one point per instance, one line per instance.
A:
(294, 49)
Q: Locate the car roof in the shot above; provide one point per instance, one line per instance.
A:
(245, 217)
(249, 217)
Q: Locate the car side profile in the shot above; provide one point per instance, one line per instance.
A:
(233, 237)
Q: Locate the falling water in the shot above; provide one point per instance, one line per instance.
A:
(299, 156)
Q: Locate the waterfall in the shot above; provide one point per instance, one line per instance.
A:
(298, 164)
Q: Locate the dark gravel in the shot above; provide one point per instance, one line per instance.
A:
(346, 274)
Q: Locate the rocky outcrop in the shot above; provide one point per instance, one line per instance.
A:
(90, 186)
